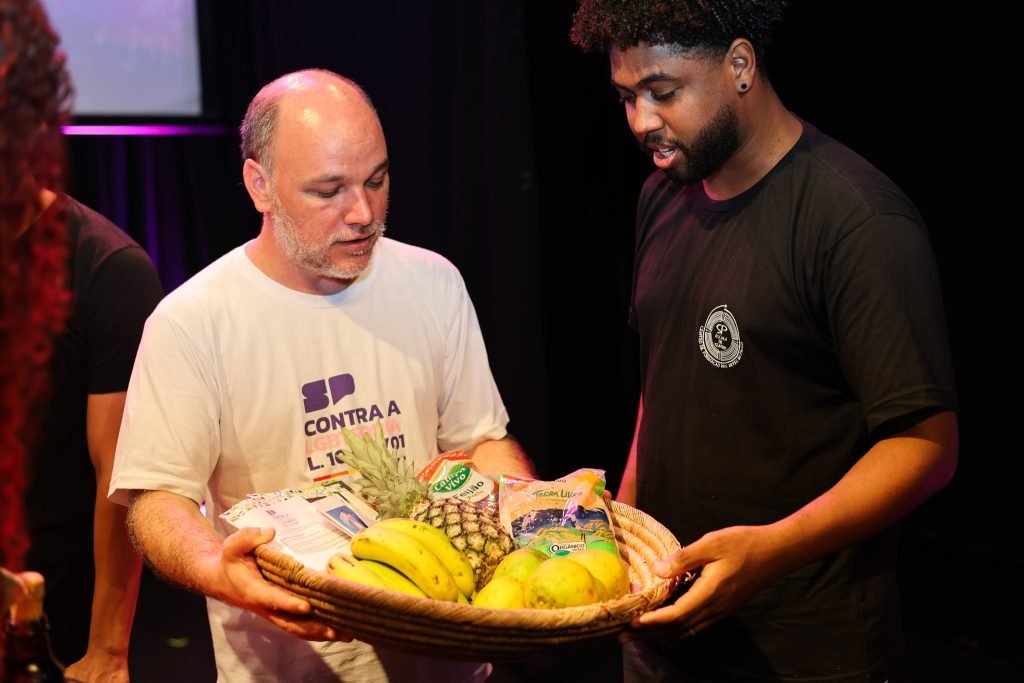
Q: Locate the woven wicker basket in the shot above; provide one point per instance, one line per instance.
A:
(449, 630)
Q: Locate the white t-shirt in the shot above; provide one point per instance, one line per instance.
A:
(242, 385)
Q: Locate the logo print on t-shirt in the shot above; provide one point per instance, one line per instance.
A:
(315, 393)
(719, 338)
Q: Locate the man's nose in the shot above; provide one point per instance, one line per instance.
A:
(359, 212)
(645, 118)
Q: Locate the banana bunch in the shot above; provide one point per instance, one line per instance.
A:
(409, 556)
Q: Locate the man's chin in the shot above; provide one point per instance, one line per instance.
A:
(352, 267)
(680, 175)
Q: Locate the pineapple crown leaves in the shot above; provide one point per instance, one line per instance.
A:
(387, 480)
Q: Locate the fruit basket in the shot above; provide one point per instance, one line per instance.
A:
(450, 630)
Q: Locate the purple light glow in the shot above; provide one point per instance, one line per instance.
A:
(152, 131)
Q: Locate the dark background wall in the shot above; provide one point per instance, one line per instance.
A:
(510, 156)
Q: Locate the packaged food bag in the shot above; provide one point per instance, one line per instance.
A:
(453, 475)
(557, 517)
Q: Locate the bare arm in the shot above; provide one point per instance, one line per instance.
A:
(889, 481)
(502, 456)
(180, 544)
(627, 487)
(118, 567)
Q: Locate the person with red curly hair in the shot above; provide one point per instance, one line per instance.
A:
(797, 389)
(34, 102)
(74, 297)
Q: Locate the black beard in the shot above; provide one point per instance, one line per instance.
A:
(714, 144)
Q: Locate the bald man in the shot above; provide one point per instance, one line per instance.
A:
(248, 371)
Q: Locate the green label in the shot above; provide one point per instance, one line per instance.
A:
(454, 481)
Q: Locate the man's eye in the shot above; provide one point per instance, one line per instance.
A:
(375, 184)
(327, 194)
(663, 96)
(626, 98)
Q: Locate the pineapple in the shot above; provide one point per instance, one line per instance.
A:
(474, 530)
(388, 482)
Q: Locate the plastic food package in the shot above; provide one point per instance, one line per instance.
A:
(453, 475)
(557, 517)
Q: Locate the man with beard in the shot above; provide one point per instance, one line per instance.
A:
(797, 391)
(248, 371)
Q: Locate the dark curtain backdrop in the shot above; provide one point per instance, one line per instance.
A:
(510, 156)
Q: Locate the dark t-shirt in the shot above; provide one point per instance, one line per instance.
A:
(782, 332)
(114, 288)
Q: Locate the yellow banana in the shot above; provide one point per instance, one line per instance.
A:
(438, 543)
(408, 556)
(393, 578)
(347, 567)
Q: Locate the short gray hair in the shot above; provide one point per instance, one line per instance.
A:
(258, 126)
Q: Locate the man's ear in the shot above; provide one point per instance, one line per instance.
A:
(742, 64)
(257, 184)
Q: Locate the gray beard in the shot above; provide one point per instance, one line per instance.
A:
(315, 257)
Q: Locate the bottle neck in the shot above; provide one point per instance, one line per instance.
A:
(28, 630)
(28, 655)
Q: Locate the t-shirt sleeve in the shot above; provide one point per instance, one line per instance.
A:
(470, 408)
(122, 294)
(888, 322)
(170, 432)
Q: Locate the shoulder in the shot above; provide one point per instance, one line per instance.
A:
(410, 254)
(415, 262)
(419, 278)
(220, 280)
(104, 259)
(848, 181)
(95, 230)
(95, 238)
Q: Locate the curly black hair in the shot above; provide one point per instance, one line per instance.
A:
(703, 27)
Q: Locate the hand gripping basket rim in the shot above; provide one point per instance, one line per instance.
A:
(450, 630)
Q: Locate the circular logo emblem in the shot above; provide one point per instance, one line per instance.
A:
(719, 339)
